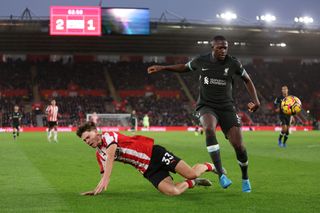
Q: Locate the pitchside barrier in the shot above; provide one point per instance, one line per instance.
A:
(157, 128)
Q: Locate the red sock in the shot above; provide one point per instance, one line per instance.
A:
(190, 183)
(209, 166)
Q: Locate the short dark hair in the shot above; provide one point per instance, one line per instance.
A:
(219, 38)
(88, 126)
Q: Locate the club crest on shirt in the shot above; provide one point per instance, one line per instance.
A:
(226, 70)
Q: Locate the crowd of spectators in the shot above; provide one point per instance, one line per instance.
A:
(268, 78)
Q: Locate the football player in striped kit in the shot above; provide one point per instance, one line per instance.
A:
(52, 118)
(154, 162)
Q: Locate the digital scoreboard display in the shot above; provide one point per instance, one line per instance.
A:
(125, 21)
(75, 20)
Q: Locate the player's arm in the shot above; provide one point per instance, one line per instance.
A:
(276, 105)
(103, 184)
(180, 68)
(172, 68)
(255, 104)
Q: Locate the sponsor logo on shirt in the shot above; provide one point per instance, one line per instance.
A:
(214, 81)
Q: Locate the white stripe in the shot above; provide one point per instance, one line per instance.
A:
(135, 153)
(133, 162)
(244, 72)
(189, 65)
(213, 148)
(243, 164)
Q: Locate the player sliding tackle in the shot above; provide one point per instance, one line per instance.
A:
(154, 162)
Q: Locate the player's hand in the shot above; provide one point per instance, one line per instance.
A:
(155, 68)
(87, 193)
(102, 186)
(252, 107)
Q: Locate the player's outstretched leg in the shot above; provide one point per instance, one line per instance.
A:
(18, 132)
(235, 138)
(168, 187)
(209, 123)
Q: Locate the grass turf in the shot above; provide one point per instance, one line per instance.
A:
(37, 176)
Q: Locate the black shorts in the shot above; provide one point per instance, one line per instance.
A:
(226, 118)
(162, 162)
(285, 120)
(16, 125)
(52, 124)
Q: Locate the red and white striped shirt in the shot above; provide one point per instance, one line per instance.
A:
(52, 112)
(135, 150)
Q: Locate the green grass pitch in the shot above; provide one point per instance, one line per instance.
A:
(36, 176)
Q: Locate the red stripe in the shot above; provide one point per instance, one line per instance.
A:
(132, 157)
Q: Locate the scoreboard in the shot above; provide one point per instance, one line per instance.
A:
(75, 20)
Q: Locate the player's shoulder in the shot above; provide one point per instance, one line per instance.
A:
(233, 60)
(202, 57)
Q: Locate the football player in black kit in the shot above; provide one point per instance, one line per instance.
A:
(215, 104)
(16, 119)
(285, 120)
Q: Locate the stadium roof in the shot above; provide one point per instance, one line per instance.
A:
(18, 36)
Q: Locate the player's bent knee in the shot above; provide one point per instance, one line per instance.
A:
(172, 191)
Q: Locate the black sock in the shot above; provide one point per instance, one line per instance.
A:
(243, 162)
(18, 133)
(286, 137)
(214, 152)
(14, 135)
(281, 135)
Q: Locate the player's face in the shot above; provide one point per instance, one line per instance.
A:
(53, 102)
(284, 91)
(220, 49)
(16, 108)
(91, 138)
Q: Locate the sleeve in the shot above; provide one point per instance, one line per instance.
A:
(110, 138)
(276, 103)
(100, 162)
(240, 71)
(193, 64)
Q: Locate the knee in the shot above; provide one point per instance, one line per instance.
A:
(172, 192)
(192, 174)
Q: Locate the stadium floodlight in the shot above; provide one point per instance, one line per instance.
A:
(282, 44)
(304, 20)
(227, 16)
(266, 18)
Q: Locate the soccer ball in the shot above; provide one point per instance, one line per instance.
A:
(291, 105)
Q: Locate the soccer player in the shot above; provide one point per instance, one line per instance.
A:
(133, 121)
(52, 118)
(16, 119)
(146, 123)
(285, 120)
(154, 162)
(215, 104)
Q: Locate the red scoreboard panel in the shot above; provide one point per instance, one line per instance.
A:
(75, 20)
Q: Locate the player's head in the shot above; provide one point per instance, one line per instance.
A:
(89, 134)
(284, 90)
(53, 102)
(133, 112)
(219, 47)
(16, 108)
